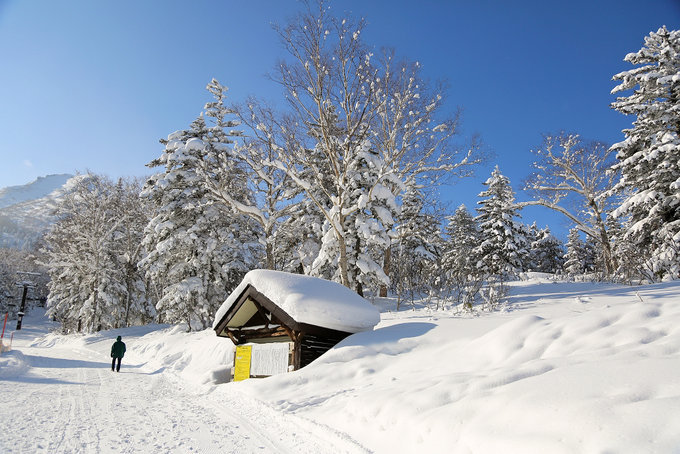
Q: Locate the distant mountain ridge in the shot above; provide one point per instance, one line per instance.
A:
(37, 189)
(26, 210)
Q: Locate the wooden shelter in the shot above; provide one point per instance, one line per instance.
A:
(252, 316)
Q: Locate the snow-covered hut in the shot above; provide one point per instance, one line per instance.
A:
(305, 316)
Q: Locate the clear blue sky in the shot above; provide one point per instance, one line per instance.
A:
(92, 85)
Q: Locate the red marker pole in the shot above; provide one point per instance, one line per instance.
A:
(3, 325)
(2, 345)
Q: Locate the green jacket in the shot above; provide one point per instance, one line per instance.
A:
(118, 348)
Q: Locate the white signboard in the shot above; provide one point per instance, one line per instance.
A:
(269, 359)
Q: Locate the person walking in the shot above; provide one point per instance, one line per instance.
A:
(117, 353)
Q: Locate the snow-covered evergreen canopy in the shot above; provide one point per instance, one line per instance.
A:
(309, 300)
(649, 156)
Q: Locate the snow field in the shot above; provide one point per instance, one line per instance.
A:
(564, 368)
(571, 373)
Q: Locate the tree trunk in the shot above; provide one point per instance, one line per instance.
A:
(269, 255)
(386, 269)
(128, 299)
(344, 276)
(94, 311)
(609, 259)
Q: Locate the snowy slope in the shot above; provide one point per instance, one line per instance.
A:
(564, 368)
(568, 368)
(37, 189)
(25, 211)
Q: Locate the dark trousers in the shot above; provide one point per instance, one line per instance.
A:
(113, 362)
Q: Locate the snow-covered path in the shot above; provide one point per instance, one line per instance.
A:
(65, 399)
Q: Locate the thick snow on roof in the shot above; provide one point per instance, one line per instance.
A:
(309, 300)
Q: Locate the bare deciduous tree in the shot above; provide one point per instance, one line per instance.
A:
(572, 177)
(328, 85)
(344, 107)
(272, 187)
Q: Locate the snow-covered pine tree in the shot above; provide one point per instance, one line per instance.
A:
(414, 251)
(197, 249)
(649, 157)
(503, 252)
(631, 260)
(532, 234)
(574, 259)
(459, 263)
(373, 218)
(547, 252)
(504, 249)
(592, 259)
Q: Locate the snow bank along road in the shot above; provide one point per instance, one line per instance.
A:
(58, 395)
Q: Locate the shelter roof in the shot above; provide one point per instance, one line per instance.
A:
(307, 300)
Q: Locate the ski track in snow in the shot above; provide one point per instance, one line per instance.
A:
(70, 402)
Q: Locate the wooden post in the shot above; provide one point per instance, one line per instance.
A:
(23, 308)
(297, 354)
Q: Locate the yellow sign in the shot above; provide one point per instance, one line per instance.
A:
(242, 362)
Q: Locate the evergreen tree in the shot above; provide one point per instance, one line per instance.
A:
(649, 157)
(631, 259)
(459, 260)
(592, 257)
(546, 252)
(414, 251)
(373, 218)
(198, 249)
(574, 259)
(532, 235)
(503, 252)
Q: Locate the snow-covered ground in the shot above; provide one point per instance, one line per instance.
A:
(563, 368)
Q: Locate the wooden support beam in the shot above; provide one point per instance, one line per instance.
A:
(279, 331)
(231, 336)
(297, 351)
